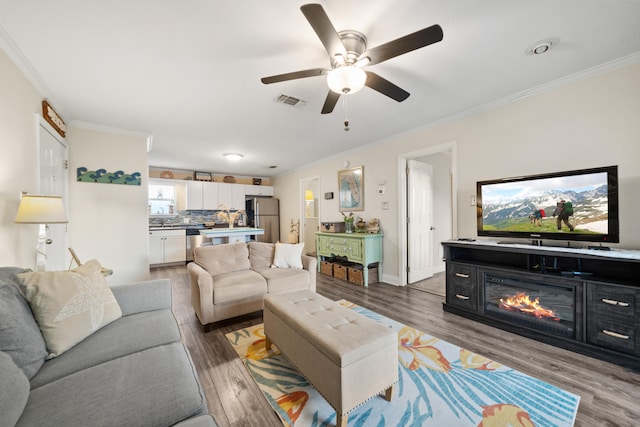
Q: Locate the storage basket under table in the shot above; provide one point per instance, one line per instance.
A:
(326, 267)
(355, 274)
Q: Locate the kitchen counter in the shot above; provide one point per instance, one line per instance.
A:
(230, 235)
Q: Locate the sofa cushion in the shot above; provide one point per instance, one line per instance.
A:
(288, 255)
(122, 337)
(70, 305)
(261, 255)
(154, 387)
(281, 280)
(237, 286)
(14, 390)
(20, 337)
(220, 259)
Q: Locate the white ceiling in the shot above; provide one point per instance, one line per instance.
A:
(189, 71)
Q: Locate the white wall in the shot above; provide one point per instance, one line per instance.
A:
(109, 222)
(19, 103)
(584, 123)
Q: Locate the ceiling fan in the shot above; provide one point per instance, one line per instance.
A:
(348, 54)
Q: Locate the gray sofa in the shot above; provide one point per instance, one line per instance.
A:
(133, 372)
(232, 279)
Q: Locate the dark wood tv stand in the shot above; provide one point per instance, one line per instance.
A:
(604, 287)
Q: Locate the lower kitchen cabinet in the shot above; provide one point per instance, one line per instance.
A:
(167, 246)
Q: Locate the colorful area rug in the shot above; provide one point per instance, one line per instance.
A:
(439, 384)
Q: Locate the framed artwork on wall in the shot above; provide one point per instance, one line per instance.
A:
(351, 189)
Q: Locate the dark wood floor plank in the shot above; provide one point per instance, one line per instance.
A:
(610, 394)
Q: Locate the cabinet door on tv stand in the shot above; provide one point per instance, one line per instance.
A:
(613, 317)
(462, 287)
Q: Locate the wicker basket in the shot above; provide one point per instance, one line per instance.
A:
(340, 271)
(355, 274)
(326, 267)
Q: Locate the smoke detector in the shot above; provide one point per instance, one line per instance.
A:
(542, 46)
(290, 100)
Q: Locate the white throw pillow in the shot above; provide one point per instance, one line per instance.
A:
(70, 305)
(288, 255)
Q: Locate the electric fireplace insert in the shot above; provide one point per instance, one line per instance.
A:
(547, 308)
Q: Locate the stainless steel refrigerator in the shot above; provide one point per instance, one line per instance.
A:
(264, 212)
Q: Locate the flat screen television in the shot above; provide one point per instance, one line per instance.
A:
(580, 205)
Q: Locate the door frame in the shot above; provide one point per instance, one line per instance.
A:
(304, 182)
(402, 198)
(43, 126)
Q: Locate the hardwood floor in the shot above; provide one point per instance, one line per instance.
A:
(610, 394)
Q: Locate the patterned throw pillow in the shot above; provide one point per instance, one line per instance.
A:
(70, 305)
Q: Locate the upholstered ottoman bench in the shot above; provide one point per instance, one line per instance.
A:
(347, 357)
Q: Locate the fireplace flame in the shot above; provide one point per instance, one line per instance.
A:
(523, 303)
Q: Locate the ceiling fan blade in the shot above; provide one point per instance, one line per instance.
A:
(385, 87)
(402, 45)
(330, 102)
(313, 72)
(325, 30)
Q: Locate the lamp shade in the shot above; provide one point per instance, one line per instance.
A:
(346, 79)
(41, 210)
(308, 195)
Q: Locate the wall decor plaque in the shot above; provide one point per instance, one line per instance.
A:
(53, 118)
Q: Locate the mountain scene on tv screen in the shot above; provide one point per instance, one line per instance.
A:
(536, 213)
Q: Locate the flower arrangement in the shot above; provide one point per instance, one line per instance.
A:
(349, 218)
(225, 215)
(348, 222)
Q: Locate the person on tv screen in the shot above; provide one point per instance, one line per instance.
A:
(563, 210)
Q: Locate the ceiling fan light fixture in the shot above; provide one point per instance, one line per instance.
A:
(233, 157)
(346, 80)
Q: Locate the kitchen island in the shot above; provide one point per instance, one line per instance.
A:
(217, 236)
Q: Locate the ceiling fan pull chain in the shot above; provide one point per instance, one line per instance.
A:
(346, 115)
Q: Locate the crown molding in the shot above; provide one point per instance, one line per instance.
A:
(25, 67)
(597, 70)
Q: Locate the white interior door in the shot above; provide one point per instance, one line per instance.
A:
(420, 221)
(53, 182)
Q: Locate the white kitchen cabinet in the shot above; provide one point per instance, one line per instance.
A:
(258, 190)
(231, 195)
(194, 195)
(210, 198)
(167, 246)
(202, 195)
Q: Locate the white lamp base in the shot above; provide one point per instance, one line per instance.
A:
(41, 249)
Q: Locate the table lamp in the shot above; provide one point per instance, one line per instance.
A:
(41, 210)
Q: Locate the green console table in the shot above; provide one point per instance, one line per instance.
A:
(360, 248)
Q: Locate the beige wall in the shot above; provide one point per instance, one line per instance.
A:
(584, 123)
(108, 222)
(19, 103)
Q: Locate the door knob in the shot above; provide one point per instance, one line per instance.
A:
(48, 241)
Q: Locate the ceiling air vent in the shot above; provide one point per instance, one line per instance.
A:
(290, 100)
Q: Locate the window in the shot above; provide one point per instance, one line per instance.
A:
(162, 199)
